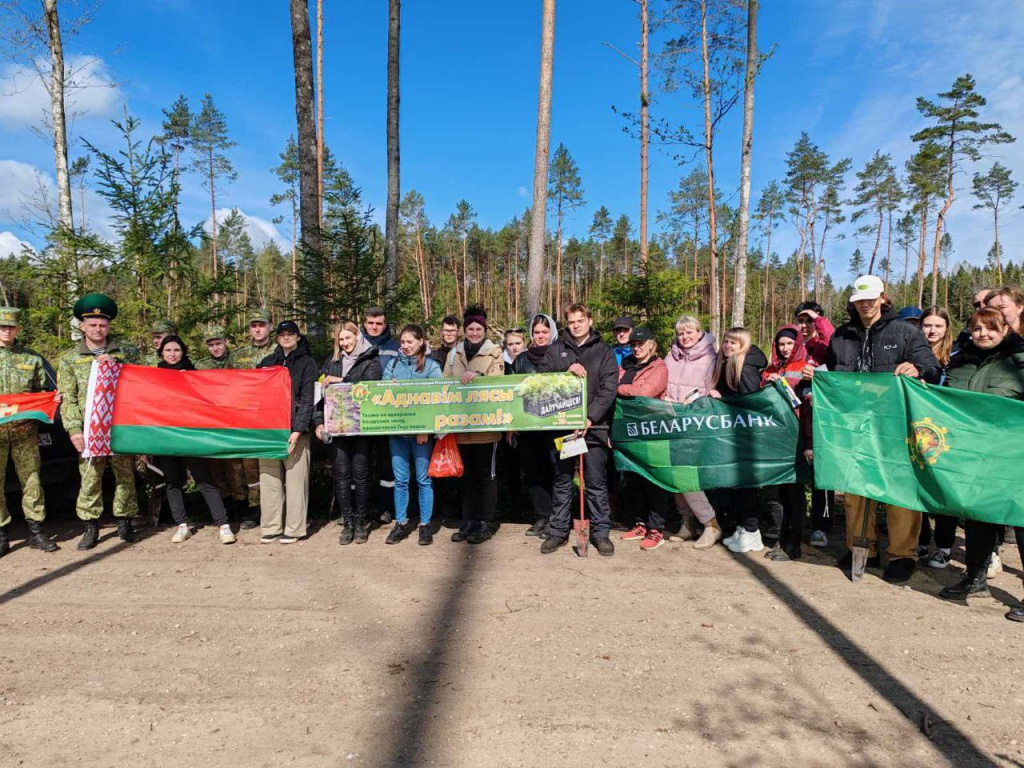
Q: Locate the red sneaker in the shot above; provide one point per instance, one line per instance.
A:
(652, 540)
(638, 532)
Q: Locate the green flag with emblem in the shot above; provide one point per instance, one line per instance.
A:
(897, 440)
(747, 441)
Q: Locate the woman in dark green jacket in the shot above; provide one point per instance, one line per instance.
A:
(991, 363)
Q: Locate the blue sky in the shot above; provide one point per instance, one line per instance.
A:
(845, 72)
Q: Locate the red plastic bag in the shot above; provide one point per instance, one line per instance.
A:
(445, 461)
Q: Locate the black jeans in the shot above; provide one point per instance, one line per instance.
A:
(351, 461)
(1018, 534)
(479, 482)
(735, 507)
(385, 476)
(537, 472)
(176, 469)
(645, 501)
(945, 530)
(595, 480)
(787, 505)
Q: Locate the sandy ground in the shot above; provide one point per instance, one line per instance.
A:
(452, 655)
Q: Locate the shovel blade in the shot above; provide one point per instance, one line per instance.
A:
(582, 528)
(860, 563)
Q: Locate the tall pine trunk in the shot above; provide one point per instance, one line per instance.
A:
(302, 52)
(644, 132)
(535, 268)
(394, 192)
(921, 253)
(320, 110)
(739, 301)
(60, 136)
(714, 298)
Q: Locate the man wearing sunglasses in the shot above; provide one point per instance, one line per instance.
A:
(977, 303)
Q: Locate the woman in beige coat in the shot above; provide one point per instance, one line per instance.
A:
(474, 357)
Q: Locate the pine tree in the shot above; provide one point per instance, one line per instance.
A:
(925, 174)
(601, 230)
(177, 127)
(957, 130)
(209, 138)
(856, 264)
(565, 194)
(995, 189)
(876, 194)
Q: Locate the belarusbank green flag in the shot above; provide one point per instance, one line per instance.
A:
(939, 450)
(737, 442)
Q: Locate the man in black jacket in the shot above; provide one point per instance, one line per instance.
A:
(581, 352)
(875, 340)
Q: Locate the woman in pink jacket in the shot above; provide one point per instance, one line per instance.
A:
(691, 370)
(643, 374)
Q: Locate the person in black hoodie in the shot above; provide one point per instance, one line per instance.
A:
(449, 339)
(876, 341)
(738, 372)
(355, 359)
(377, 331)
(532, 447)
(173, 355)
(581, 352)
(284, 483)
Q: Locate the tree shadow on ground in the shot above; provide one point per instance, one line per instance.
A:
(65, 570)
(953, 743)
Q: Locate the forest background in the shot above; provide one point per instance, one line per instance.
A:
(227, 157)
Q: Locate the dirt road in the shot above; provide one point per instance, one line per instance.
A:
(318, 655)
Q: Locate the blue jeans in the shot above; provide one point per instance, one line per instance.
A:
(405, 453)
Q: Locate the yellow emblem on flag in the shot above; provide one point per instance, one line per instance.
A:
(928, 442)
(8, 410)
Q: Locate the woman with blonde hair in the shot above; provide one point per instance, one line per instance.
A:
(938, 330)
(355, 359)
(738, 372)
(691, 369)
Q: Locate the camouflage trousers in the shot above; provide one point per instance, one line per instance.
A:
(90, 496)
(25, 454)
(245, 474)
(229, 478)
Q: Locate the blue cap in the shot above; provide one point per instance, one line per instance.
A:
(910, 313)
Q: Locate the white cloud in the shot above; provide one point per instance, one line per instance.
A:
(11, 245)
(17, 180)
(90, 91)
(260, 231)
(27, 193)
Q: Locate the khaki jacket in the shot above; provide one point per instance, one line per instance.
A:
(486, 362)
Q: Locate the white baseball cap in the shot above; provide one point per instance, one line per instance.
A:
(867, 287)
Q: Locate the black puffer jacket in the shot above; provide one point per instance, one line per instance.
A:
(302, 368)
(881, 348)
(602, 373)
(528, 360)
(750, 375)
(367, 367)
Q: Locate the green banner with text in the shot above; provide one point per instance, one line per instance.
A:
(537, 401)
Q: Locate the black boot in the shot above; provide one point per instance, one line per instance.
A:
(399, 532)
(125, 531)
(37, 539)
(537, 528)
(348, 533)
(249, 517)
(976, 586)
(91, 536)
(362, 534)
(1016, 613)
(5, 543)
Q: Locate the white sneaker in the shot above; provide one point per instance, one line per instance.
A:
(227, 536)
(184, 533)
(941, 558)
(733, 537)
(819, 539)
(995, 566)
(747, 542)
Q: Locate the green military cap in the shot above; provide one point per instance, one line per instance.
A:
(260, 315)
(95, 305)
(164, 326)
(215, 332)
(10, 316)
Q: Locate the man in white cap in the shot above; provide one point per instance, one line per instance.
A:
(876, 341)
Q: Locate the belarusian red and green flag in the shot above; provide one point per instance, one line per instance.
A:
(41, 406)
(220, 414)
(939, 450)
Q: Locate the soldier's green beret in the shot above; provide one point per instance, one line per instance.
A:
(95, 305)
(10, 316)
(260, 316)
(164, 326)
(215, 332)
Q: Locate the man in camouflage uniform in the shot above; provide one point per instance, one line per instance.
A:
(95, 311)
(228, 474)
(160, 329)
(21, 372)
(248, 356)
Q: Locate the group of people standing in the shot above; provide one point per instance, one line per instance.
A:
(987, 356)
